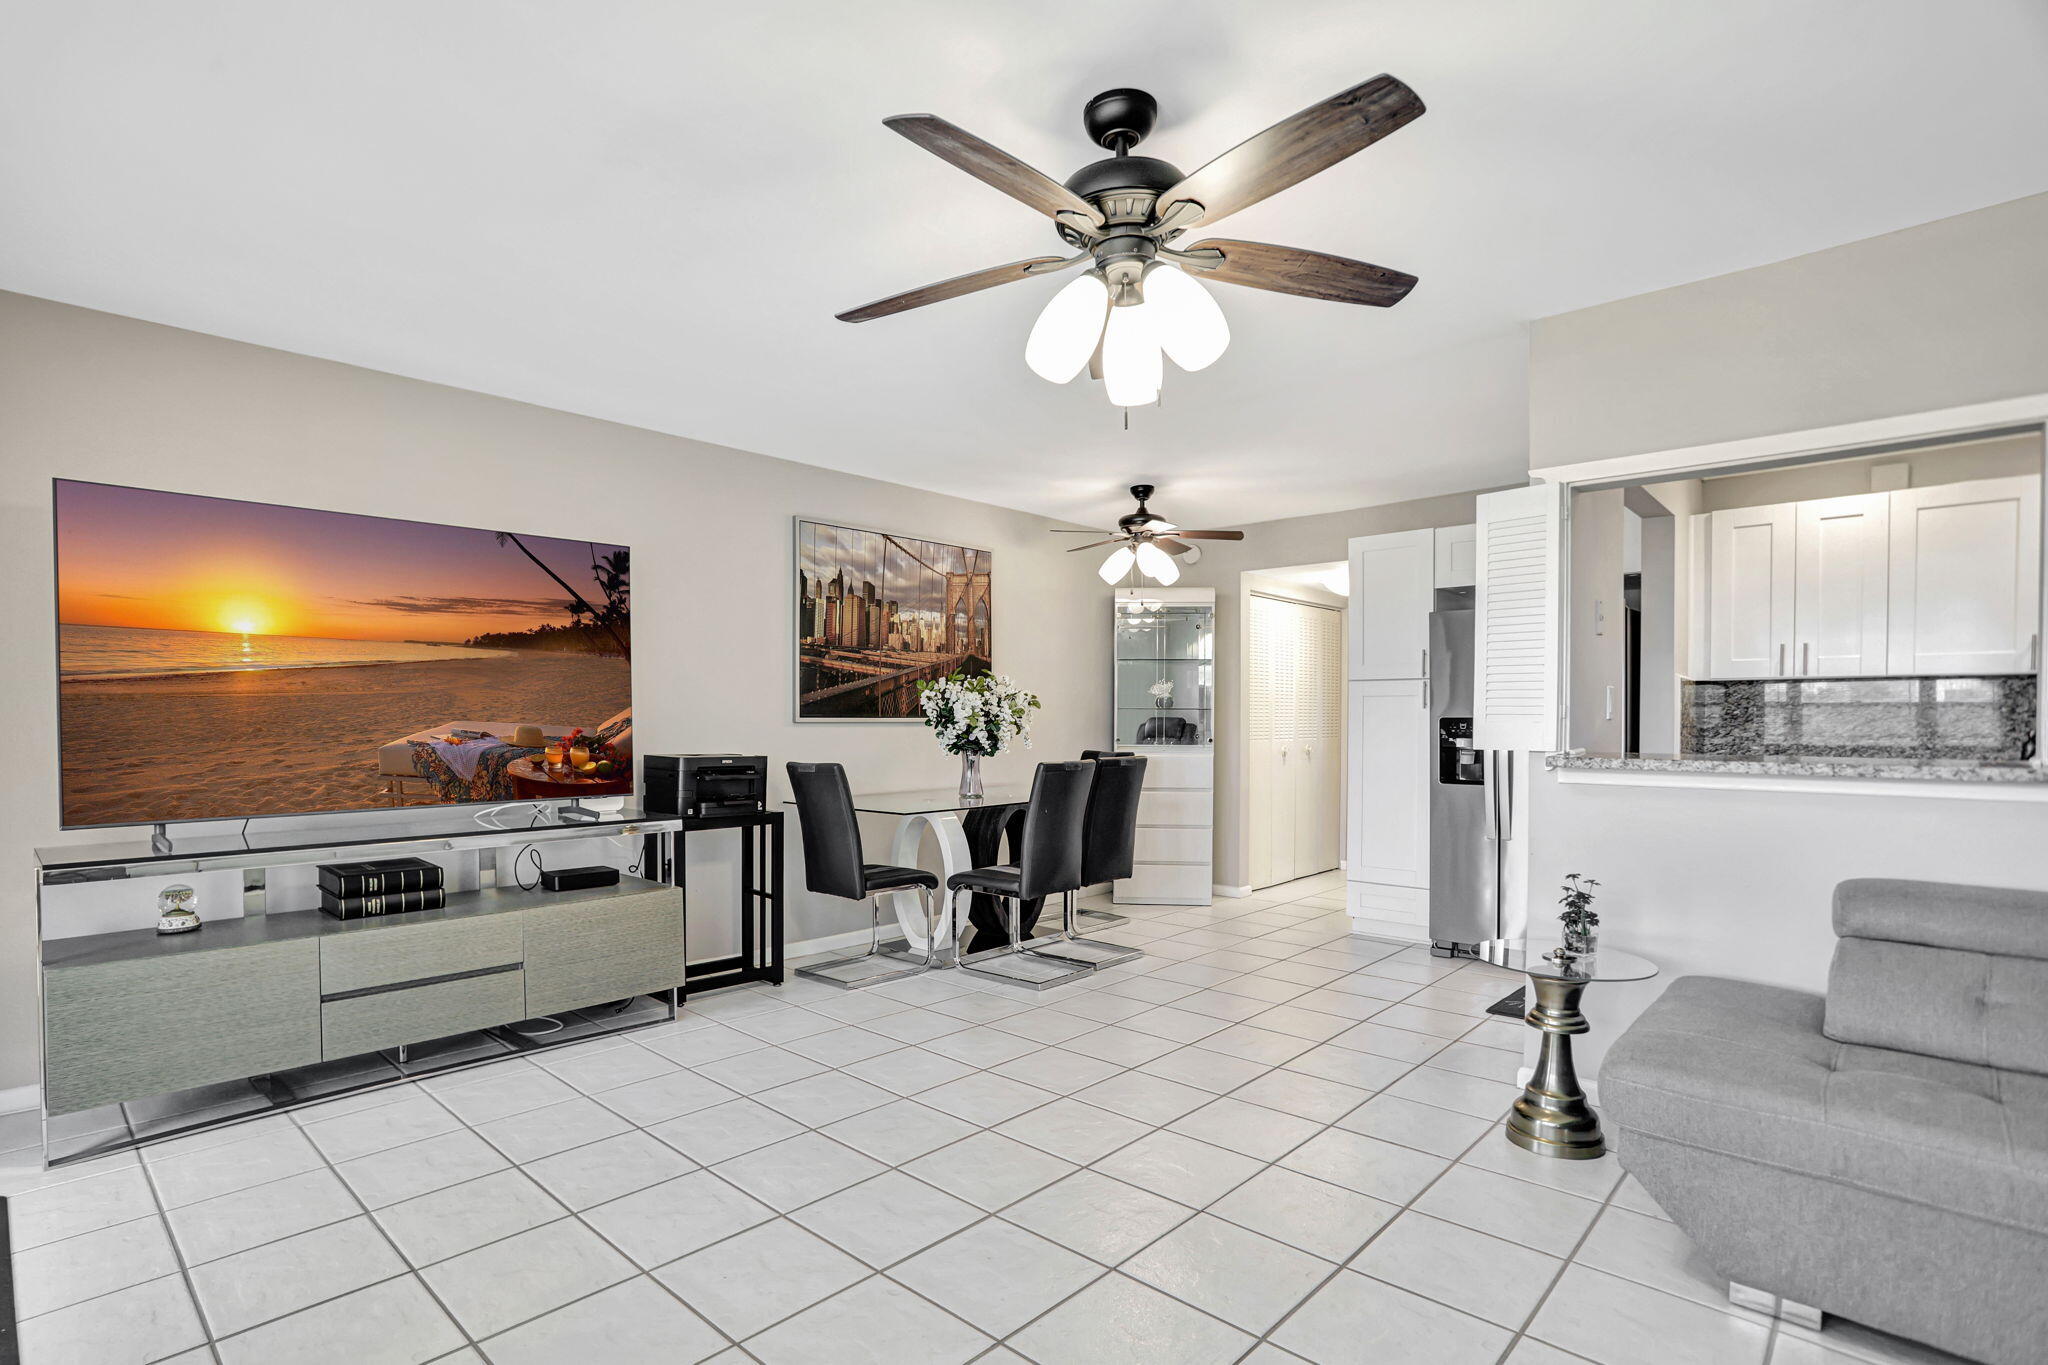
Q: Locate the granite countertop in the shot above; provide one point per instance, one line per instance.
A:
(1780, 765)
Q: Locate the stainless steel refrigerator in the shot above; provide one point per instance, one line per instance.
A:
(1471, 793)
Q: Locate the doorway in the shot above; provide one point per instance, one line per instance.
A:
(1294, 707)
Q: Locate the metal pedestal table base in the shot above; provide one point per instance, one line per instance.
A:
(1552, 1118)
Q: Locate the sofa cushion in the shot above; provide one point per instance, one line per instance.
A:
(1952, 971)
(1743, 1069)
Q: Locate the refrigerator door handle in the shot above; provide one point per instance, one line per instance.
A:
(1494, 797)
(1504, 795)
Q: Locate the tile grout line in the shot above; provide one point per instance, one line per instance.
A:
(1039, 1041)
(163, 1218)
(1345, 1264)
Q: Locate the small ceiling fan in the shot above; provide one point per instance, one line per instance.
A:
(1139, 299)
(1149, 541)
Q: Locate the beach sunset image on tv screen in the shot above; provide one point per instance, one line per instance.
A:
(221, 659)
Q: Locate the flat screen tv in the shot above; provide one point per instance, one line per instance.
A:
(220, 659)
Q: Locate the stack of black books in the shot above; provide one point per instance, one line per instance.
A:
(389, 887)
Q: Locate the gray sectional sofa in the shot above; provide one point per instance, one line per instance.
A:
(1881, 1152)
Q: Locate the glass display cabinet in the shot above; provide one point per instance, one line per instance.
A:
(1165, 710)
(1165, 666)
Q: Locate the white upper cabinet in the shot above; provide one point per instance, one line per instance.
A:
(1841, 556)
(1749, 634)
(1392, 579)
(1916, 581)
(1966, 577)
(1457, 556)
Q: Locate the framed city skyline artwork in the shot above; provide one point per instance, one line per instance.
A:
(878, 613)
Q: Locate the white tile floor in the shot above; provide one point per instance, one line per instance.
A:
(1267, 1141)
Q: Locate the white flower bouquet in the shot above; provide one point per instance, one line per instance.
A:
(976, 718)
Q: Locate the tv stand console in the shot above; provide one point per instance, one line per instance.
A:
(273, 1004)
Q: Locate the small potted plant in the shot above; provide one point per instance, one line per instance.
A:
(1581, 925)
(1162, 693)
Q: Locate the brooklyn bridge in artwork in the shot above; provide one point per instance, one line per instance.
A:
(878, 613)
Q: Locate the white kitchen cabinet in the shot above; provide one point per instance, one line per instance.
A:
(1457, 556)
(1751, 599)
(1388, 794)
(1392, 579)
(1840, 566)
(1965, 577)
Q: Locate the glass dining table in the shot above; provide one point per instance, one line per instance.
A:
(969, 832)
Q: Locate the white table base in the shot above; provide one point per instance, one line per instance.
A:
(953, 857)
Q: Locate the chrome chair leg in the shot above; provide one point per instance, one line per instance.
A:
(874, 966)
(1019, 966)
(1070, 946)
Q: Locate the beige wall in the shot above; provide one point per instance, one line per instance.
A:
(1946, 313)
(1737, 883)
(93, 396)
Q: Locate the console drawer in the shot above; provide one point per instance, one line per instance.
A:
(129, 1029)
(372, 952)
(587, 952)
(413, 1014)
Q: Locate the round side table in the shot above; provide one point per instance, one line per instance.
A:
(1552, 1117)
(532, 781)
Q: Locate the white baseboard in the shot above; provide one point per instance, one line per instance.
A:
(1231, 892)
(1591, 1087)
(831, 943)
(20, 1099)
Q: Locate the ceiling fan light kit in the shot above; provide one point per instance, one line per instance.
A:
(1148, 543)
(1138, 301)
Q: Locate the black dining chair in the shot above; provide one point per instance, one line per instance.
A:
(1109, 838)
(1048, 864)
(1103, 917)
(833, 866)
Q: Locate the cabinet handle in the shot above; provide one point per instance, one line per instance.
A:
(1425, 665)
(1805, 657)
(1425, 693)
(1781, 658)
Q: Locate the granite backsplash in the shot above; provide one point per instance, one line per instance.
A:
(1962, 717)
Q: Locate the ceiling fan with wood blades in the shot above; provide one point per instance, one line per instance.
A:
(1138, 300)
(1148, 542)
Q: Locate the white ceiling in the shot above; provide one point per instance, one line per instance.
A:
(650, 211)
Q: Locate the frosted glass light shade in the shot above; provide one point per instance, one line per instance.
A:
(1190, 326)
(1156, 564)
(1067, 329)
(1131, 367)
(1117, 565)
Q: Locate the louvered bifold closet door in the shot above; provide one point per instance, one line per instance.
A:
(1517, 622)
(1272, 647)
(1319, 739)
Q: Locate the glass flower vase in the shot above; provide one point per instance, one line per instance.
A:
(970, 775)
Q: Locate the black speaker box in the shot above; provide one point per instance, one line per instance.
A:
(576, 878)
